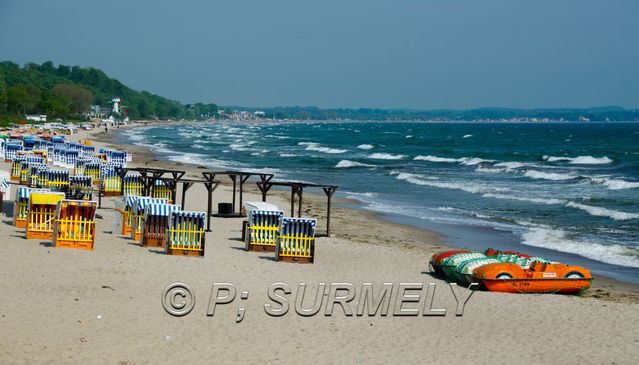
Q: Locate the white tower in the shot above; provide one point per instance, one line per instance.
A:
(116, 105)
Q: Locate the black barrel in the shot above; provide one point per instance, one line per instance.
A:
(224, 208)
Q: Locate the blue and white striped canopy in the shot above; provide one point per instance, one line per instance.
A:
(59, 174)
(142, 202)
(81, 180)
(158, 209)
(131, 200)
(188, 214)
(24, 192)
(4, 185)
(289, 224)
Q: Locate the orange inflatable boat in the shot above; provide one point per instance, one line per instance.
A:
(539, 278)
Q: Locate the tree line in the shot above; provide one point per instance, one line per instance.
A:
(68, 91)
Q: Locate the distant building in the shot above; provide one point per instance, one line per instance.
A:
(36, 118)
(259, 114)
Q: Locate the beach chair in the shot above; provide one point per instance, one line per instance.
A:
(92, 169)
(4, 191)
(262, 226)
(87, 151)
(57, 158)
(118, 157)
(111, 182)
(79, 168)
(155, 222)
(133, 185)
(35, 171)
(160, 190)
(185, 234)
(296, 242)
(69, 158)
(11, 150)
(80, 188)
(129, 202)
(43, 153)
(75, 224)
(137, 214)
(41, 214)
(16, 167)
(58, 180)
(21, 206)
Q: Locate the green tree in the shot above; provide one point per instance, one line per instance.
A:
(76, 99)
(22, 98)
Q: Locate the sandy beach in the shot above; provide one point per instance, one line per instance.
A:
(104, 306)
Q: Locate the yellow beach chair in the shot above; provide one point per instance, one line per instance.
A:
(41, 215)
(296, 242)
(75, 224)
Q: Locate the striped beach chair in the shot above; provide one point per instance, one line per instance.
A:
(16, 167)
(138, 207)
(69, 158)
(80, 188)
(296, 242)
(185, 234)
(118, 157)
(110, 181)
(35, 171)
(92, 169)
(87, 151)
(159, 189)
(262, 228)
(155, 222)
(41, 214)
(11, 150)
(21, 205)
(75, 224)
(133, 185)
(4, 191)
(127, 214)
(58, 180)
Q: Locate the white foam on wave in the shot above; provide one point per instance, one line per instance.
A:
(365, 146)
(288, 155)
(603, 212)
(525, 199)
(423, 180)
(511, 165)
(615, 184)
(579, 160)
(344, 164)
(491, 170)
(435, 159)
(534, 174)
(559, 240)
(467, 135)
(310, 146)
(386, 156)
(472, 161)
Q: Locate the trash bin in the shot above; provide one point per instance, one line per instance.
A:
(224, 208)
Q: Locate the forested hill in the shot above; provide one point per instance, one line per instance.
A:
(67, 91)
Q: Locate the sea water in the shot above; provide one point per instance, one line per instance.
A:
(569, 191)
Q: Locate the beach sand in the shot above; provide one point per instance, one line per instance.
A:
(104, 306)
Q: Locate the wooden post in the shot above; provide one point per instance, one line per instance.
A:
(329, 195)
(300, 192)
(242, 181)
(233, 177)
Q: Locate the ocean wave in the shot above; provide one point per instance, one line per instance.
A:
(559, 240)
(614, 184)
(365, 146)
(386, 156)
(467, 135)
(350, 164)
(472, 161)
(288, 155)
(491, 170)
(423, 180)
(525, 199)
(200, 147)
(603, 212)
(534, 174)
(319, 148)
(435, 159)
(579, 160)
(511, 165)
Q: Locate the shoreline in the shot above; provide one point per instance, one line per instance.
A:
(603, 286)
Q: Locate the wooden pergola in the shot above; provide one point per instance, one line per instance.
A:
(297, 188)
(238, 178)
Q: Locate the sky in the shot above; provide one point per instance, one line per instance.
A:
(416, 54)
